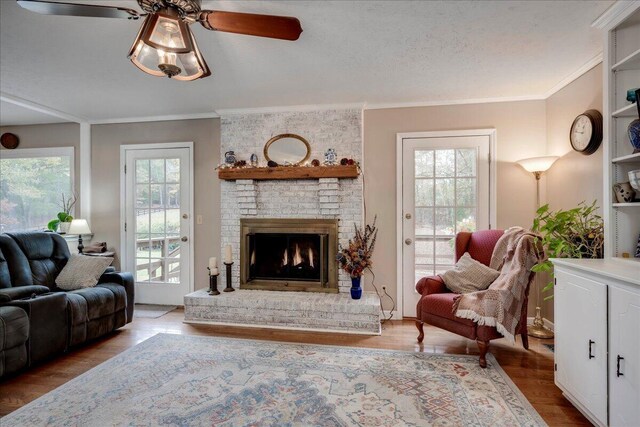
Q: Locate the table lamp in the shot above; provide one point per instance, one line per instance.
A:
(79, 227)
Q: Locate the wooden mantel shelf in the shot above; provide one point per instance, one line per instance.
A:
(289, 172)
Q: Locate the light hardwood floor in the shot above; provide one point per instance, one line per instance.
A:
(531, 371)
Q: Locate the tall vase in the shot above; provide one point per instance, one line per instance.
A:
(634, 128)
(356, 290)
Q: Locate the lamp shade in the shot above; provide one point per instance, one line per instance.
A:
(537, 164)
(79, 226)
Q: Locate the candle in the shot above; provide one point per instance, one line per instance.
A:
(214, 271)
(227, 255)
(213, 263)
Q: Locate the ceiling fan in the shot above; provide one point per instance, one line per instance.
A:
(165, 45)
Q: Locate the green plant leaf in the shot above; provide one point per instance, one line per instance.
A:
(53, 224)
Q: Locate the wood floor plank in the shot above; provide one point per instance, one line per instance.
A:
(531, 370)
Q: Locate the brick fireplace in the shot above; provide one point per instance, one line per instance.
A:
(338, 200)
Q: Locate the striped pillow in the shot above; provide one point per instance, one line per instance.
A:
(469, 275)
(82, 272)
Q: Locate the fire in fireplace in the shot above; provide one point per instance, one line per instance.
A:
(288, 254)
(285, 256)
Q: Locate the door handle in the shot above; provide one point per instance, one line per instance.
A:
(618, 373)
(591, 356)
(408, 241)
(408, 216)
(184, 238)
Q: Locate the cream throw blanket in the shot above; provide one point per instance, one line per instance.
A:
(501, 304)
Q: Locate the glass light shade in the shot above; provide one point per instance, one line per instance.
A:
(537, 164)
(165, 47)
(79, 226)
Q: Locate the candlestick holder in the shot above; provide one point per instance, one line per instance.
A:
(213, 283)
(229, 288)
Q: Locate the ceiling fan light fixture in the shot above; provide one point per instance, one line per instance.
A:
(165, 47)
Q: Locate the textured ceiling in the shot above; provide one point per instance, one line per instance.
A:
(350, 51)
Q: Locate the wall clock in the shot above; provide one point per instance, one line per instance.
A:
(9, 140)
(586, 132)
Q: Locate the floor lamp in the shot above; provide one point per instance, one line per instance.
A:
(537, 166)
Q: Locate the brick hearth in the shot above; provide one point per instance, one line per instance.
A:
(286, 310)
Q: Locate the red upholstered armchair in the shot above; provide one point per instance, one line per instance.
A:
(436, 304)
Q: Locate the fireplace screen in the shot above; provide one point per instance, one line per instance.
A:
(288, 254)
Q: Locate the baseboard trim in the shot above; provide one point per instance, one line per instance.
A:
(547, 323)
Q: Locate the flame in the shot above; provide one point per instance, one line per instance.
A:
(297, 258)
(285, 259)
(311, 258)
(253, 257)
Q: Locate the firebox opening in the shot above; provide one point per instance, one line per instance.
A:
(285, 256)
(289, 254)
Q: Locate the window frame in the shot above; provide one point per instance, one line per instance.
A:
(30, 153)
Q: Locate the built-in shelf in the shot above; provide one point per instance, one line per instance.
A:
(631, 62)
(630, 158)
(289, 172)
(627, 111)
(626, 205)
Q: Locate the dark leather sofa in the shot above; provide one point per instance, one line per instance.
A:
(58, 319)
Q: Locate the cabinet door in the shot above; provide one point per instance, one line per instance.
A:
(580, 320)
(624, 355)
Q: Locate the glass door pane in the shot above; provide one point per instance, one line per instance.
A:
(157, 224)
(445, 197)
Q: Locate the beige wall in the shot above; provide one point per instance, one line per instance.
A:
(574, 177)
(51, 136)
(105, 180)
(521, 133)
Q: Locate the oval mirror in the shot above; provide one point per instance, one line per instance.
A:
(287, 149)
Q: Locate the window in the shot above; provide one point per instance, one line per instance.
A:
(32, 182)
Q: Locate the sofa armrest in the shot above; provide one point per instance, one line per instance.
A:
(431, 285)
(19, 292)
(125, 280)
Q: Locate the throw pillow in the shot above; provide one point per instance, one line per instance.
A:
(82, 272)
(469, 275)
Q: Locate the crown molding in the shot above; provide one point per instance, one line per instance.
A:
(617, 13)
(380, 106)
(34, 106)
(122, 120)
(589, 65)
(290, 109)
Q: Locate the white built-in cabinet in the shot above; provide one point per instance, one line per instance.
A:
(597, 338)
(597, 301)
(624, 357)
(581, 353)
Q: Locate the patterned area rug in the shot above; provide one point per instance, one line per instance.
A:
(196, 381)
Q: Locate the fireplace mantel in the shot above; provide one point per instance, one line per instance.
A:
(290, 172)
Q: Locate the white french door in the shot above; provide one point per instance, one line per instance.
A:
(158, 223)
(445, 190)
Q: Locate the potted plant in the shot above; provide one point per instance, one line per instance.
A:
(573, 233)
(356, 258)
(63, 220)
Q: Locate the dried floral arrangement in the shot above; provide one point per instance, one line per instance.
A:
(357, 257)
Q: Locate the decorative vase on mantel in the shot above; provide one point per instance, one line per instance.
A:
(356, 290)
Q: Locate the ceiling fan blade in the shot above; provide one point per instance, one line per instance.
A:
(275, 27)
(75, 9)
